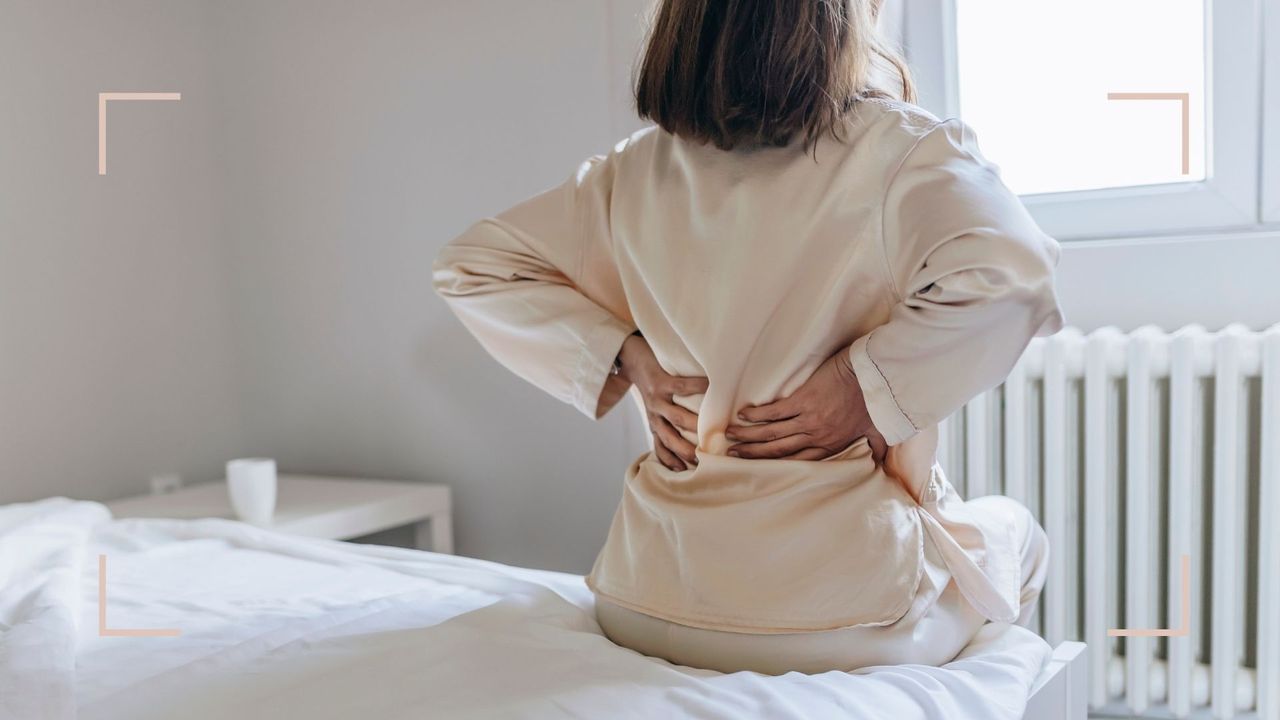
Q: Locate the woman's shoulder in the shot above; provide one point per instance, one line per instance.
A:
(905, 114)
(892, 133)
(640, 141)
(890, 122)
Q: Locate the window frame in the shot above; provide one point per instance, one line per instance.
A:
(1270, 173)
(1232, 195)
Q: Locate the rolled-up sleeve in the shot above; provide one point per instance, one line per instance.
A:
(973, 275)
(538, 288)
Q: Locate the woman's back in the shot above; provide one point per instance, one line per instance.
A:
(899, 243)
(751, 267)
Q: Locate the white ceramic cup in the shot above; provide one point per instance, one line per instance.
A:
(251, 483)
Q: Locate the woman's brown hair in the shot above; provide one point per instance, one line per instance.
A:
(763, 72)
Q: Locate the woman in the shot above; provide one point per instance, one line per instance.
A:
(796, 275)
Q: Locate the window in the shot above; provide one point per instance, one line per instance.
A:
(1081, 104)
(1116, 118)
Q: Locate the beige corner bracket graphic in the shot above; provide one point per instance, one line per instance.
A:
(1185, 99)
(103, 630)
(102, 116)
(1185, 625)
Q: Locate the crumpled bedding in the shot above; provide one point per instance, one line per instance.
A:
(275, 626)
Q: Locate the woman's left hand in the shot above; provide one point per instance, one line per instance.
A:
(825, 415)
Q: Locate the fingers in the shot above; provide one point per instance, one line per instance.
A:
(686, 385)
(666, 418)
(674, 441)
(678, 416)
(772, 449)
(665, 456)
(764, 432)
(776, 410)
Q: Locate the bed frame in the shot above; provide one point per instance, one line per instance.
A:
(1061, 692)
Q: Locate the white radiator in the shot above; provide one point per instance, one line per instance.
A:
(1135, 450)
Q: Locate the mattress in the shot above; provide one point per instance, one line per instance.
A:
(267, 625)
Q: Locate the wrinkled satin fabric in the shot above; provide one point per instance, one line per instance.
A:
(937, 627)
(897, 243)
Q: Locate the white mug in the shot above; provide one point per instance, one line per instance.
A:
(251, 483)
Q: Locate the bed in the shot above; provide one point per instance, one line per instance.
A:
(218, 619)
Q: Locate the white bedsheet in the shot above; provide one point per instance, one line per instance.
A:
(274, 626)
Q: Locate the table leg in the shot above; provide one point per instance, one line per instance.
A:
(434, 534)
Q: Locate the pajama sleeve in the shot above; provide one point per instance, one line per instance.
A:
(538, 288)
(973, 278)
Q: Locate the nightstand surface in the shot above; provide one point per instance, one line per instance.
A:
(325, 507)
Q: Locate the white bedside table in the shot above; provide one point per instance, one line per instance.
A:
(323, 507)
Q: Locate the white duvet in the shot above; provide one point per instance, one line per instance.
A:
(274, 626)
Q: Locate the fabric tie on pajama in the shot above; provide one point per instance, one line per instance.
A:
(981, 553)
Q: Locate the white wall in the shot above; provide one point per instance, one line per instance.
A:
(115, 339)
(362, 137)
(1213, 281)
(350, 142)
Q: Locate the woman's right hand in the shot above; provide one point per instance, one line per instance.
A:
(640, 367)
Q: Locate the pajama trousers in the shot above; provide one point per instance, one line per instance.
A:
(932, 632)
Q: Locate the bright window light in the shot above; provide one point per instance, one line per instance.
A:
(1034, 79)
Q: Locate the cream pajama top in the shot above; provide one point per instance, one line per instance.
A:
(899, 245)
